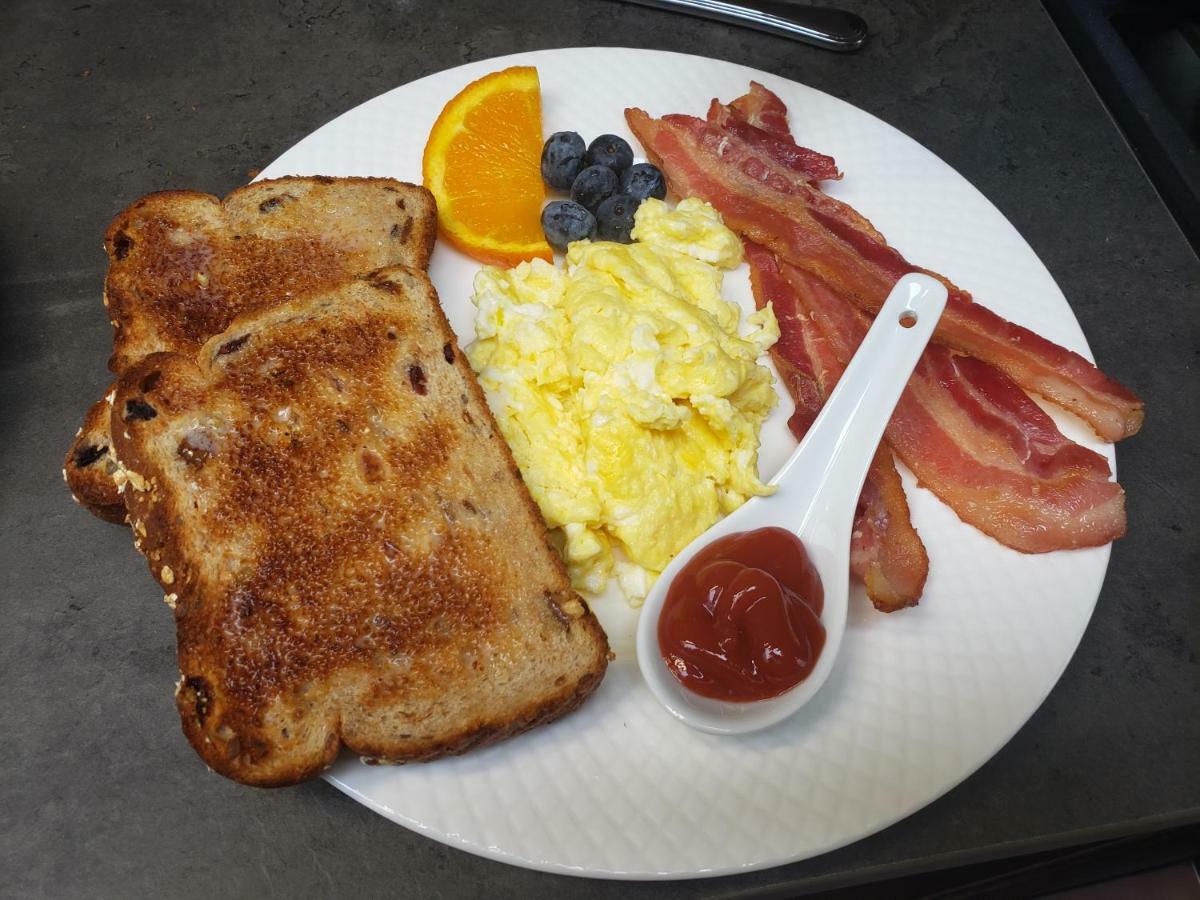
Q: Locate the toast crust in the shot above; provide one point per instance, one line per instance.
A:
(90, 463)
(365, 570)
(183, 265)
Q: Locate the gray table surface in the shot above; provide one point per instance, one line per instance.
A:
(101, 102)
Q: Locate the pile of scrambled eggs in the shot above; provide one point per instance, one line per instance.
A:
(631, 404)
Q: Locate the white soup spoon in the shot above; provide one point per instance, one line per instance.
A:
(816, 494)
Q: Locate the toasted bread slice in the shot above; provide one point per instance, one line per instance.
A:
(351, 553)
(182, 265)
(90, 464)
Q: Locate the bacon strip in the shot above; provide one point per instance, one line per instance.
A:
(830, 240)
(886, 552)
(779, 150)
(762, 108)
(973, 438)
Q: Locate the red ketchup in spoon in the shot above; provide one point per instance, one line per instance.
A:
(742, 620)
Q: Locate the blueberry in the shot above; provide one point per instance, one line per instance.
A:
(610, 150)
(562, 158)
(564, 221)
(614, 218)
(593, 185)
(642, 181)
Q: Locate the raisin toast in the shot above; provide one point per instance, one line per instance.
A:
(183, 264)
(90, 464)
(351, 554)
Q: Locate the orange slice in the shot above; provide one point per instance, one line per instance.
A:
(483, 165)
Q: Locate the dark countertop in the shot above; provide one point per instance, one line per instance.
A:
(103, 101)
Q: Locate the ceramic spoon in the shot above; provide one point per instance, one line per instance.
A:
(816, 495)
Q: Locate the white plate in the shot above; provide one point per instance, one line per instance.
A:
(919, 699)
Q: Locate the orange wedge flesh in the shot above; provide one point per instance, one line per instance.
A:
(483, 165)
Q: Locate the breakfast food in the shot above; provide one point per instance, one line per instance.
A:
(183, 264)
(628, 398)
(363, 551)
(606, 188)
(89, 465)
(482, 162)
(643, 180)
(562, 159)
(611, 151)
(351, 556)
(565, 221)
(968, 433)
(760, 118)
(964, 425)
(783, 211)
(615, 218)
(593, 186)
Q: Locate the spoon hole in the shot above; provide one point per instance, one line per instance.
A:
(908, 319)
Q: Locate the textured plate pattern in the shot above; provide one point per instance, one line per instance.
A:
(918, 701)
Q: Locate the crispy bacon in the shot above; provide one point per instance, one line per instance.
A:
(973, 438)
(778, 150)
(762, 108)
(886, 553)
(830, 240)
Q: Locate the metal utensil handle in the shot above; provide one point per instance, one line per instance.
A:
(821, 26)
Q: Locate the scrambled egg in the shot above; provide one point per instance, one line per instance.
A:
(631, 404)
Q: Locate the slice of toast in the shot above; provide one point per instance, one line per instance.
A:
(351, 554)
(90, 464)
(183, 264)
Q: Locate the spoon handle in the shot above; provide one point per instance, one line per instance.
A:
(826, 473)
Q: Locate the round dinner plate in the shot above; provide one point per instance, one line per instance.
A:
(918, 700)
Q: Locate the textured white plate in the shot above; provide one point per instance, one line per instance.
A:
(918, 701)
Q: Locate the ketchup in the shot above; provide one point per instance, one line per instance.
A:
(742, 620)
